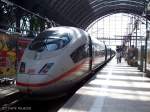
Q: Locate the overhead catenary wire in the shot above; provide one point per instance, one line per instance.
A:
(26, 10)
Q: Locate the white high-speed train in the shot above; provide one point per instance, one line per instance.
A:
(57, 59)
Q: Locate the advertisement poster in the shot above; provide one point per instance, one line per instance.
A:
(11, 51)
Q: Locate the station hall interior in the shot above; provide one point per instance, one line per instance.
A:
(75, 55)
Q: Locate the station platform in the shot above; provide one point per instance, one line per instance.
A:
(116, 88)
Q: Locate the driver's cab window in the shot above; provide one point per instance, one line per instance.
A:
(50, 40)
(51, 47)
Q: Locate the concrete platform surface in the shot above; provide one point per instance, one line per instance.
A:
(116, 88)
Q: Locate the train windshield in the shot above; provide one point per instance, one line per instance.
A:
(50, 40)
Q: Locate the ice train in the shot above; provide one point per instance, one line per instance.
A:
(59, 58)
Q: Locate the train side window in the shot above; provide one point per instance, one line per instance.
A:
(80, 53)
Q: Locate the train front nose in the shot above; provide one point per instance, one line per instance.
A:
(32, 75)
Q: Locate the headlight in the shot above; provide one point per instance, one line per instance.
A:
(22, 67)
(46, 67)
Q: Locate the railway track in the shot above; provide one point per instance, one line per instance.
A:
(34, 106)
(8, 104)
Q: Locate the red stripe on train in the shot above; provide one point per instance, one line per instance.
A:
(64, 75)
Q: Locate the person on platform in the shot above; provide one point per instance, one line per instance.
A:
(132, 56)
(118, 54)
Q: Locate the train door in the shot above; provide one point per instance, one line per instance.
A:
(90, 53)
(110, 53)
(106, 53)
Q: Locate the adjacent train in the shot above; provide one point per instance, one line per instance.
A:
(59, 58)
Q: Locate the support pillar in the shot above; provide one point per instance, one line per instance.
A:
(18, 18)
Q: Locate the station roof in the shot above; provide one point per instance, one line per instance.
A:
(81, 13)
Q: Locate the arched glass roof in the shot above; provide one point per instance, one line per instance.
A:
(115, 29)
(81, 13)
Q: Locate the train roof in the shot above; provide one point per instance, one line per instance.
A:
(73, 31)
(65, 29)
